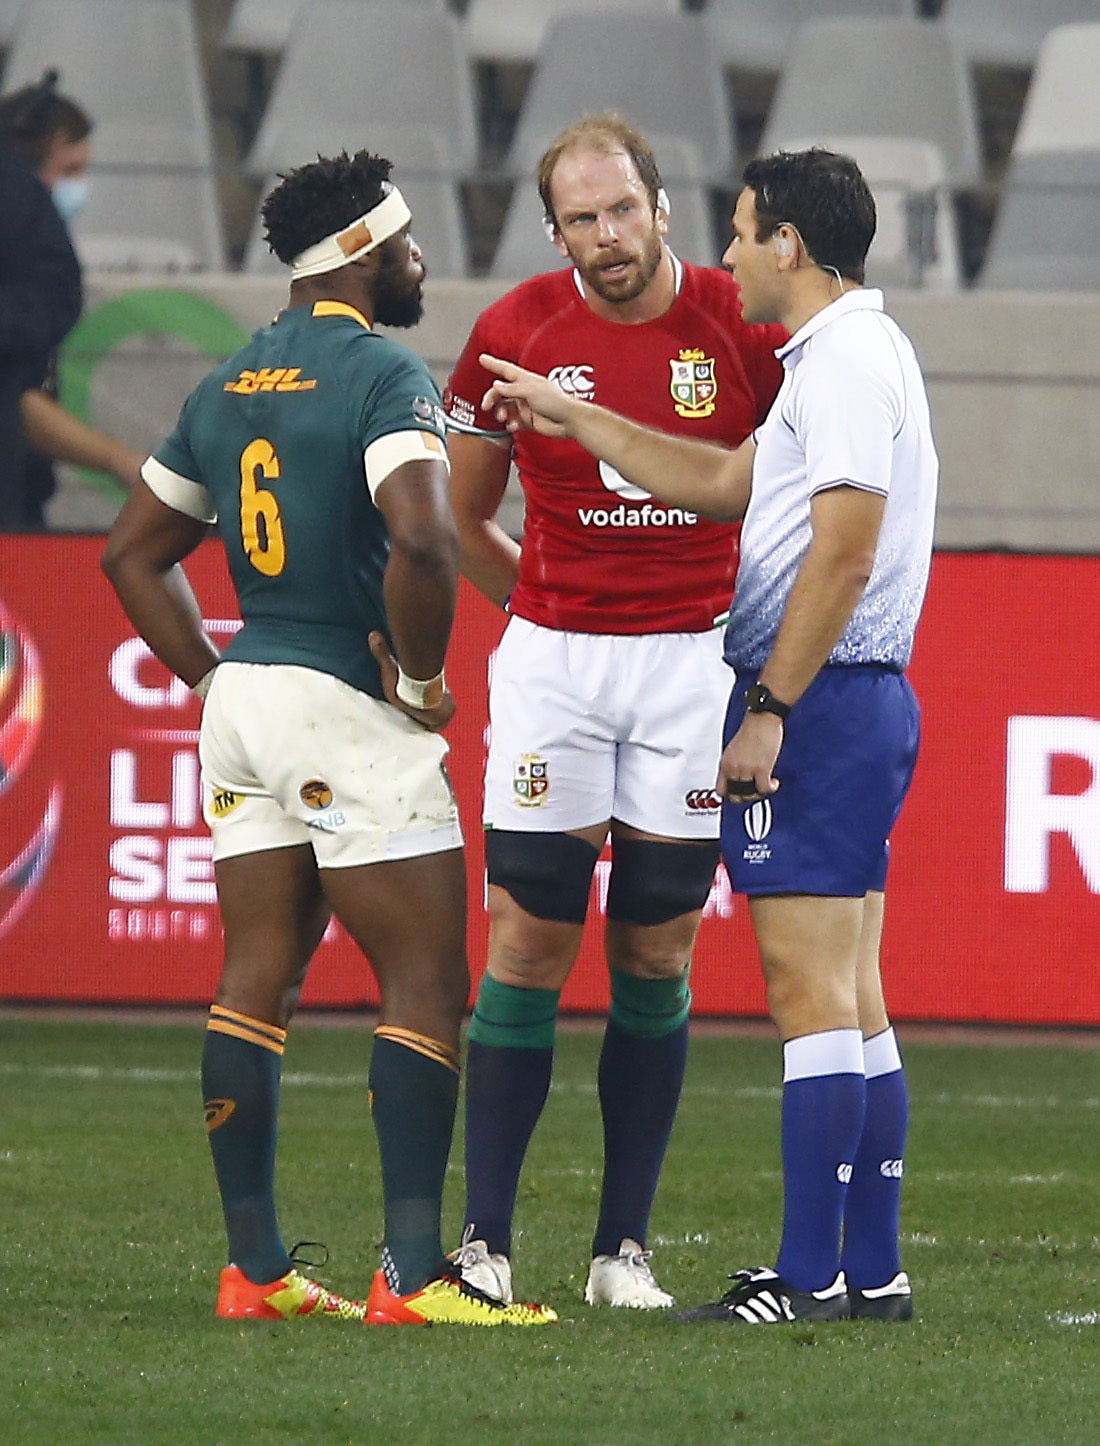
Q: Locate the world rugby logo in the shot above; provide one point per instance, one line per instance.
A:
(21, 713)
(758, 820)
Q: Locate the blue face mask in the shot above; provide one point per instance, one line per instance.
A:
(70, 194)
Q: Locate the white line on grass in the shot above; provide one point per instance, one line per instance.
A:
(307, 1079)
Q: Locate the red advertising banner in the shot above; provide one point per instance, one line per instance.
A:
(993, 914)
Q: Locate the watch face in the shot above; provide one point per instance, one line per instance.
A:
(759, 699)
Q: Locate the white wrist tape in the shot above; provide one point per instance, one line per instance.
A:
(202, 687)
(417, 693)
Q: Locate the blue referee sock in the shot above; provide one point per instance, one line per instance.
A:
(871, 1214)
(509, 1060)
(640, 1076)
(824, 1094)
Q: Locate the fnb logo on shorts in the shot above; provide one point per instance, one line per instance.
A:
(575, 381)
(702, 800)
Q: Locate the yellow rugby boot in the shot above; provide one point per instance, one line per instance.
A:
(292, 1295)
(449, 1300)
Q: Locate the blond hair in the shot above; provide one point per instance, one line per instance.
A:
(607, 134)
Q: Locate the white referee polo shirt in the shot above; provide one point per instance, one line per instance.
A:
(852, 411)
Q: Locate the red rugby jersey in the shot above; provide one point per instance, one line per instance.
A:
(600, 555)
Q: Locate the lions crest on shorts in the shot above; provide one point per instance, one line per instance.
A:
(694, 386)
(531, 780)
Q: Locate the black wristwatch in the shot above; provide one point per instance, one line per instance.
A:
(759, 699)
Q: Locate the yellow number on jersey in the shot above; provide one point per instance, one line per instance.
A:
(261, 524)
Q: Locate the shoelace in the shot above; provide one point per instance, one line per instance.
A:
(466, 1255)
(638, 1260)
(741, 1279)
(297, 1257)
(455, 1275)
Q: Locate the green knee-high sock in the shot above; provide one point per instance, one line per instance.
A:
(509, 1060)
(241, 1065)
(414, 1095)
(640, 1076)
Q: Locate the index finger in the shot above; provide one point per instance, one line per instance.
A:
(501, 368)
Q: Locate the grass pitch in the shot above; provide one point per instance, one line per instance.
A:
(112, 1242)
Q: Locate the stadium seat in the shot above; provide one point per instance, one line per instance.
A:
(9, 14)
(420, 169)
(1044, 234)
(655, 69)
(915, 241)
(524, 250)
(134, 64)
(351, 70)
(1008, 32)
(878, 78)
(755, 34)
(504, 30)
(261, 27)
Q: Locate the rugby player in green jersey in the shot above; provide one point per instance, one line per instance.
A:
(318, 452)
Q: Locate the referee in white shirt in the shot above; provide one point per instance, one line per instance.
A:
(838, 490)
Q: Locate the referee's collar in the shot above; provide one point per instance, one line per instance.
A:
(865, 299)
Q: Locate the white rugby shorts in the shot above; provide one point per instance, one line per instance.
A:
(588, 727)
(294, 756)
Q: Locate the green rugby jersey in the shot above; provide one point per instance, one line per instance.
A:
(276, 436)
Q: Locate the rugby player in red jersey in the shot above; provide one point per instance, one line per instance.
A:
(608, 690)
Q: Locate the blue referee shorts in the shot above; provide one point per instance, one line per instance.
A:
(845, 767)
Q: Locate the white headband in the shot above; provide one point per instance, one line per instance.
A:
(550, 227)
(363, 235)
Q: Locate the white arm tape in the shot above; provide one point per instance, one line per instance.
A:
(418, 693)
(178, 492)
(395, 449)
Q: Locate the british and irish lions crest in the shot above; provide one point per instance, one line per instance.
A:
(530, 780)
(694, 386)
(28, 834)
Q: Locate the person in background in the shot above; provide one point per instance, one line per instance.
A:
(608, 687)
(51, 135)
(40, 297)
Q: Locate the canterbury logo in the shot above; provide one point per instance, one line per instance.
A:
(844, 1173)
(892, 1169)
(575, 381)
(216, 1112)
(703, 800)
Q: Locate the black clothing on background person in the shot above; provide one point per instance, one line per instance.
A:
(40, 301)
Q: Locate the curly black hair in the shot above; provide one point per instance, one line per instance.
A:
(315, 200)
